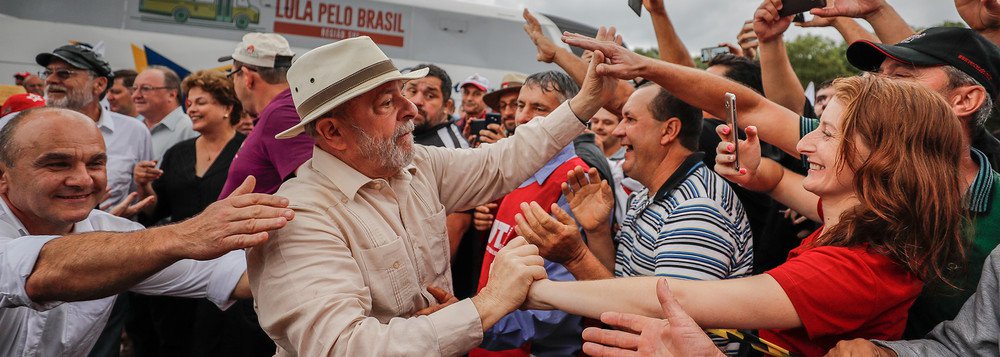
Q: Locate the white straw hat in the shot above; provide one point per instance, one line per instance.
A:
(332, 74)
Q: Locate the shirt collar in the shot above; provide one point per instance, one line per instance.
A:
(979, 197)
(618, 155)
(105, 121)
(171, 120)
(691, 163)
(543, 174)
(344, 177)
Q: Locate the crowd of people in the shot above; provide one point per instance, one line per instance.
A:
(331, 203)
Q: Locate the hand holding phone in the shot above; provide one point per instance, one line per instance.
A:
(708, 53)
(734, 125)
(792, 7)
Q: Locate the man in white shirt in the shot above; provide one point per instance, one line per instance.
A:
(52, 174)
(156, 93)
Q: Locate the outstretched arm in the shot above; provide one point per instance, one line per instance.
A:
(982, 16)
(700, 89)
(94, 265)
(848, 28)
(888, 25)
(781, 85)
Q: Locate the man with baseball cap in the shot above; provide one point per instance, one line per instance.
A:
(260, 64)
(473, 88)
(77, 78)
(364, 268)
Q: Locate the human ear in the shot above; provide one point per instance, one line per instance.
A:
(669, 130)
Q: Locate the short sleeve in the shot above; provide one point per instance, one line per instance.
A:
(17, 262)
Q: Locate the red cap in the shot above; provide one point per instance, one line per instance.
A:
(21, 101)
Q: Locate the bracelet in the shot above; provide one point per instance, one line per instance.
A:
(569, 103)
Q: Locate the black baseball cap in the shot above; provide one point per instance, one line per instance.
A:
(79, 56)
(962, 48)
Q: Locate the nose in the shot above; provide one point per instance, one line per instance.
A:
(418, 100)
(807, 145)
(619, 131)
(407, 110)
(79, 177)
(136, 94)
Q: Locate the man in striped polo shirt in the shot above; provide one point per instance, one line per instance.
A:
(687, 223)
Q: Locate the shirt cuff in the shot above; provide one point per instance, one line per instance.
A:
(458, 328)
(18, 258)
(896, 346)
(227, 273)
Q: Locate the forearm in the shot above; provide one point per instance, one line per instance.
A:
(671, 47)
(242, 289)
(778, 126)
(781, 85)
(852, 31)
(602, 246)
(589, 267)
(888, 25)
(574, 66)
(94, 265)
(593, 297)
(789, 192)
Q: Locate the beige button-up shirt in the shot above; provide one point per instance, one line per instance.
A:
(347, 274)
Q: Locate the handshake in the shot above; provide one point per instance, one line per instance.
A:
(516, 267)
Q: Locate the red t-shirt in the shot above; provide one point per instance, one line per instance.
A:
(842, 293)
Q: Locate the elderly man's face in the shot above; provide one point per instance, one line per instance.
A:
(150, 94)
(70, 87)
(382, 123)
(58, 174)
(35, 85)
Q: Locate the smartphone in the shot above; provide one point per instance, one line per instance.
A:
(792, 7)
(478, 125)
(735, 138)
(636, 6)
(707, 54)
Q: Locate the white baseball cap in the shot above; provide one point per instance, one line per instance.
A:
(267, 50)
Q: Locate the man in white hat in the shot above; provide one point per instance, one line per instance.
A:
(260, 64)
(363, 269)
(473, 89)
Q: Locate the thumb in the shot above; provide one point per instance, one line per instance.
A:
(245, 188)
(752, 138)
(597, 59)
(440, 295)
(671, 308)
(562, 216)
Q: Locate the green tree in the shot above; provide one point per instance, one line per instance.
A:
(818, 58)
(651, 52)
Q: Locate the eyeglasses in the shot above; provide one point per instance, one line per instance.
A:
(62, 73)
(146, 89)
(238, 68)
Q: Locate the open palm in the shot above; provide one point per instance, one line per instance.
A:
(589, 197)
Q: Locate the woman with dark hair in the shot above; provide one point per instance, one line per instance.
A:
(191, 176)
(882, 179)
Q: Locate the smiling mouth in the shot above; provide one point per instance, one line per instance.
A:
(73, 197)
(816, 167)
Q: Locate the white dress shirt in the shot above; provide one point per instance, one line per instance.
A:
(30, 328)
(174, 128)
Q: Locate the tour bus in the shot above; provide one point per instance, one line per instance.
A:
(463, 38)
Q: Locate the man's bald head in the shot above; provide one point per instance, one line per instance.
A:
(29, 124)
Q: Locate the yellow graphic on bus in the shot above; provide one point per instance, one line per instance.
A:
(238, 12)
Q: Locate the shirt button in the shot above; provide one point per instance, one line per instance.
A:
(395, 265)
(377, 186)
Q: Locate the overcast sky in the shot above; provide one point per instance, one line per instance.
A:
(703, 23)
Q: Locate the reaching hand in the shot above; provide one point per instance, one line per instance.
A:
(654, 6)
(516, 266)
(239, 221)
(981, 15)
(767, 24)
(748, 40)
(749, 156)
(145, 172)
(818, 21)
(603, 34)
(734, 49)
(444, 299)
(482, 218)
(545, 46)
(589, 197)
(616, 61)
(675, 335)
(859, 347)
(558, 241)
(850, 8)
(126, 209)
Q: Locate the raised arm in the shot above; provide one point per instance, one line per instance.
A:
(982, 16)
(94, 265)
(671, 47)
(574, 66)
(781, 85)
(700, 89)
(888, 25)
(848, 28)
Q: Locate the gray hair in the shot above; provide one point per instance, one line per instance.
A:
(554, 81)
(957, 78)
(170, 80)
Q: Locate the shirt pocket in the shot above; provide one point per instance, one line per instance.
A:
(392, 280)
(436, 233)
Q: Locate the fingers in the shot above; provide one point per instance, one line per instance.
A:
(630, 322)
(598, 350)
(242, 241)
(618, 339)
(439, 294)
(429, 310)
(752, 138)
(593, 176)
(254, 226)
(526, 230)
(255, 199)
(244, 188)
(671, 308)
(562, 216)
(724, 132)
